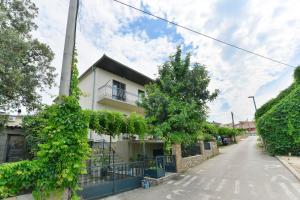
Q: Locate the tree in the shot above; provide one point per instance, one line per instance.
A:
(176, 103)
(25, 63)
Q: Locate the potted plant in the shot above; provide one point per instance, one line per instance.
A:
(154, 171)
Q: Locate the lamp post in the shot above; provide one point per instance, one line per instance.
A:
(252, 97)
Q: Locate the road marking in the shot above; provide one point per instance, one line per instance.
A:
(266, 167)
(189, 181)
(296, 186)
(170, 182)
(201, 181)
(182, 180)
(205, 196)
(236, 187)
(274, 178)
(178, 192)
(200, 171)
(252, 189)
(209, 184)
(221, 185)
(287, 191)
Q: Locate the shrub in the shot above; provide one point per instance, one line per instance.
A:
(280, 126)
(15, 177)
(60, 154)
(267, 106)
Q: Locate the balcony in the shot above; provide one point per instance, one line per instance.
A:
(119, 99)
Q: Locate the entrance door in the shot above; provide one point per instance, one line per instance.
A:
(15, 148)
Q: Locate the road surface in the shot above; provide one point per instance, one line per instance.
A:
(240, 172)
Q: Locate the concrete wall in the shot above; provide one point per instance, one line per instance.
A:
(182, 164)
(3, 142)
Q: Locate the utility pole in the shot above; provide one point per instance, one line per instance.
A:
(66, 70)
(233, 127)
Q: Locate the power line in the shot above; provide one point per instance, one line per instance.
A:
(204, 35)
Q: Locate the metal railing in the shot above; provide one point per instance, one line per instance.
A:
(108, 91)
(112, 172)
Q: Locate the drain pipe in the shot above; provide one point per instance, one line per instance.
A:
(93, 94)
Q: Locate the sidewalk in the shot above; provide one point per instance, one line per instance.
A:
(292, 163)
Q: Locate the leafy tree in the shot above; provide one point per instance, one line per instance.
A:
(25, 63)
(175, 103)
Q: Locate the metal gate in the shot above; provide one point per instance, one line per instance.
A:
(168, 163)
(111, 179)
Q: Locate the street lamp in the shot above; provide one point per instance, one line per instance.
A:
(252, 97)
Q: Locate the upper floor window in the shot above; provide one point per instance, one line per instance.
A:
(118, 91)
(141, 94)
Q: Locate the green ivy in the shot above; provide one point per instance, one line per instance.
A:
(18, 176)
(279, 125)
(61, 132)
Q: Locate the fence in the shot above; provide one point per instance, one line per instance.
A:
(190, 149)
(110, 179)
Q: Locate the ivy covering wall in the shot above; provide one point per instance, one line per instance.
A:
(278, 120)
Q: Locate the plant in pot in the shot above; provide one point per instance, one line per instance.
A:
(154, 171)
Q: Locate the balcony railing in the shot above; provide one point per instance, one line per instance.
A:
(107, 91)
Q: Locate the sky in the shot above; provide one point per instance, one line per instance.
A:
(271, 28)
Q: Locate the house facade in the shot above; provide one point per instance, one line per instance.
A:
(110, 85)
(248, 126)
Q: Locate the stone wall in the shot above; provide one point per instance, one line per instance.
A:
(183, 164)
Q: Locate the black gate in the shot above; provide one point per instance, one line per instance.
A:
(168, 163)
(111, 179)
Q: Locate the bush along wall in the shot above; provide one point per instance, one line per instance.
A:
(279, 125)
(60, 156)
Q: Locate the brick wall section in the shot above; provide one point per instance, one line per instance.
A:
(182, 164)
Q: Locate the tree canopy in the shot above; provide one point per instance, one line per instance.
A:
(176, 103)
(25, 62)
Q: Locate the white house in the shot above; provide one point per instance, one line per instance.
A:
(110, 85)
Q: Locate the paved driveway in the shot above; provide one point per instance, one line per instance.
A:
(241, 172)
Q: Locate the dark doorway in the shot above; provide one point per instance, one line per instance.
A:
(15, 148)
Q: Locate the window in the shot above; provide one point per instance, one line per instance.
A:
(141, 94)
(119, 91)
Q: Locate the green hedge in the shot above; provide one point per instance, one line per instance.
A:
(267, 106)
(60, 155)
(19, 176)
(278, 120)
(280, 126)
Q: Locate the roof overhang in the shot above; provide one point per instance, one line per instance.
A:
(108, 64)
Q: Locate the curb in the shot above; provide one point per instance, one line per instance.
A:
(289, 167)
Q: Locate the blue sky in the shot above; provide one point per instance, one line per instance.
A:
(271, 28)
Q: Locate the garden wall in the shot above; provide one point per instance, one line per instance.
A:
(183, 164)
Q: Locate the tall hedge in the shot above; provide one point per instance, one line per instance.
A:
(279, 125)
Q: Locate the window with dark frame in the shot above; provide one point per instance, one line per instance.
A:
(118, 91)
(141, 94)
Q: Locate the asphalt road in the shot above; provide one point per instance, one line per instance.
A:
(240, 172)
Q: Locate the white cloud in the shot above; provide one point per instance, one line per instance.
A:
(270, 27)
